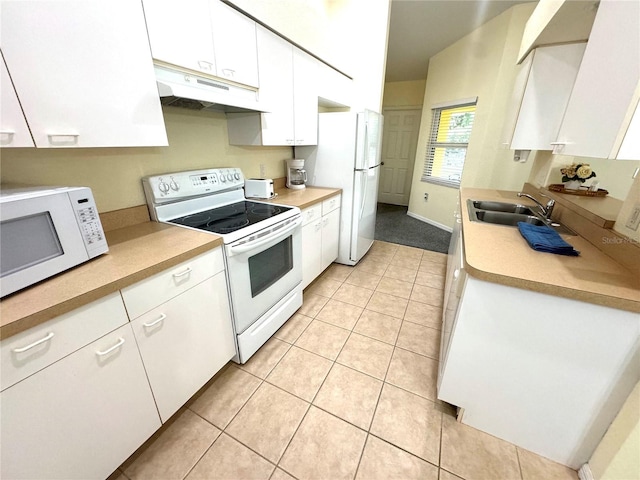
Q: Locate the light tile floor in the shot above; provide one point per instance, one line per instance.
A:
(345, 389)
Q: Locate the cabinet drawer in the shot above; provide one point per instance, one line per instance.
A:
(80, 417)
(185, 341)
(331, 204)
(151, 292)
(26, 353)
(312, 213)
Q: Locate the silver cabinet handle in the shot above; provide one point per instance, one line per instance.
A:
(155, 322)
(182, 274)
(111, 349)
(228, 72)
(34, 344)
(7, 132)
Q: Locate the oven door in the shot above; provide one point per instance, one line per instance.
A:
(262, 269)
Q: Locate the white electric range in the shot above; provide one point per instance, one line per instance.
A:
(262, 245)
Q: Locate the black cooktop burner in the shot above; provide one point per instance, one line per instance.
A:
(230, 218)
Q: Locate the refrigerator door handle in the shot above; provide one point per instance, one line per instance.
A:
(363, 186)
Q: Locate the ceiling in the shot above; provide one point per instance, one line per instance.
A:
(421, 28)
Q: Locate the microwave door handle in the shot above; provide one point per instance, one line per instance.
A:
(245, 247)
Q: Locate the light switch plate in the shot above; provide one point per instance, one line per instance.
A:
(634, 218)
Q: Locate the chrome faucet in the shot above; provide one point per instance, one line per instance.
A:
(547, 209)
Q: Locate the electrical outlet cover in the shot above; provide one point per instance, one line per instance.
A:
(634, 218)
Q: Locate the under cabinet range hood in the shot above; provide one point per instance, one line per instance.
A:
(178, 88)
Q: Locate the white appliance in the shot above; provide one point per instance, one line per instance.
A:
(45, 231)
(262, 245)
(259, 188)
(296, 174)
(348, 157)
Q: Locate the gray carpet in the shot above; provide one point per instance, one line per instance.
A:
(395, 226)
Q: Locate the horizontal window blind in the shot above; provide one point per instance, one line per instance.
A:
(448, 141)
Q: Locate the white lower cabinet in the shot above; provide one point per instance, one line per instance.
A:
(81, 392)
(80, 417)
(320, 238)
(311, 246)
(330, 237)
(185, 341)
(546, 373)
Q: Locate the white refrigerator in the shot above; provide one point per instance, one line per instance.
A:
(348, 157)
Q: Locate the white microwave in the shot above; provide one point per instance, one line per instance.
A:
(45, 231)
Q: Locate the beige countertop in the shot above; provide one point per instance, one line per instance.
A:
(135, 253)
(500, 254)
(303, 198)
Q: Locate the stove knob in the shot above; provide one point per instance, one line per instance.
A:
(236, 176)
(230, 177)
(163, 187)
(223, 178)
(174, 185)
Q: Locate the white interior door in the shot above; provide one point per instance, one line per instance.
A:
(399, 141)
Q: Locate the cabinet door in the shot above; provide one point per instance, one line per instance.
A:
(80, 417)
(311, 252)
(605, 84)
(185, 341)
(630, 147)
(14, 131)
(234, 41)
(549, 84)
(83, 72)
(330, 237)
(180, 33)
(276, 86)
(305, 98)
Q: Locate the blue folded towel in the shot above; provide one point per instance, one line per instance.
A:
(545, 239)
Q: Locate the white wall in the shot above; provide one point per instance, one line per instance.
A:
(617, 456)
(483, 65)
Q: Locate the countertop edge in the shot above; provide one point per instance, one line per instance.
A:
(588, 295)
(83, 298)
(554, 290)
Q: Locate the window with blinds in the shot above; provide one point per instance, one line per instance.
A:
(448, 140)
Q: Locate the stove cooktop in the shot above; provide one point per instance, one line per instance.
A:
(232, 217)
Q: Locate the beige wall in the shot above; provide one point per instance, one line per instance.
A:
(617, 456)
(615, 176)
(483, 65)
(336, 30)
(344, 33)
(196, 140)
(404, 94)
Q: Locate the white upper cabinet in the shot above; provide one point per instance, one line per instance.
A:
(597, 115)
(14, 131)
(83, 73)
(205, 36)
(540, 96)
(234, 41)
(305, 98)
(288, 92)
(630, 142)
(334, 88)
(180, 33)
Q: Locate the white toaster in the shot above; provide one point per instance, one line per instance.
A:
(258, 188)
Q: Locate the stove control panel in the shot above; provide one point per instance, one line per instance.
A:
(175, 186)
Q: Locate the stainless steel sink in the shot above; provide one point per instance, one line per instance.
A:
(509, 214)
(504, 218)
(502, 207)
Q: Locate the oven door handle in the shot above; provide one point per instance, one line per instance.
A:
(280, 233)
